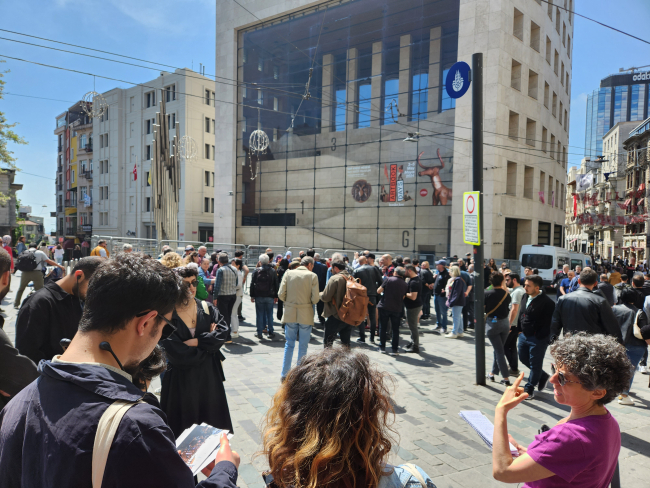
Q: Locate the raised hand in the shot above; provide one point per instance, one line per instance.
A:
(513, 396)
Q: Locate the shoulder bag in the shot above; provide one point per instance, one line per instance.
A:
(413, 470)
(495, 308)
(637, 329)
(106, 429)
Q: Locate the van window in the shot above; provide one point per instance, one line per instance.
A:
(575, 262)
(588, 262)
(561, 262)
(539, 261)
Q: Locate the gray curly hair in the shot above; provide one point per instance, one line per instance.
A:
(598, 361)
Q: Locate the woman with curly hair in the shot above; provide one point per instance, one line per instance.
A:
(582, 450)
(329, 427)
(172, 260)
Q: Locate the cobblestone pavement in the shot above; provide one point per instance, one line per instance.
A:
(431, 388)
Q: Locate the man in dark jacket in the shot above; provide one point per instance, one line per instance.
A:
(394, 288)
(48, 430)
(264, 293)
(638, 285)
(607, 290)
(370, 277)
(535, 314)
(53, 312)
(335, 292)
(583, 310)
(440, 296)
(320, 270)
(427, 289)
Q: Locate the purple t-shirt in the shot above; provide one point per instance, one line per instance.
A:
(582, 453)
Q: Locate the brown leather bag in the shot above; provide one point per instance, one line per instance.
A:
(354, 308)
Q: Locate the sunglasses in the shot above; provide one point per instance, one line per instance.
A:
(560, 376)
(193, 283)
(168, 329)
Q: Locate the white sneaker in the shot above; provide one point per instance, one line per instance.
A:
(625, 400)
(451, 335)
(234, 335)
(461, 335)
(643, 370)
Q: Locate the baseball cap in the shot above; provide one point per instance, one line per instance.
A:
(189, 248)
(442, 261)
(468, 254)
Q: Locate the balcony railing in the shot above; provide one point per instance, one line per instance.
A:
(59, 208)
(87, 174)
(59, 169)
(70, 231)
(59, 186)
(89, 148)
(71, 203)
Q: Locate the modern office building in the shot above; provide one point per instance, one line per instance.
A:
(338, 86)
(123, 143)
(620, 98)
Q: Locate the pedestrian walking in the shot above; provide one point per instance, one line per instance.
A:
(413, 304)
(536, 313)
(299, 292)
(225, 289)
(426, 276)
(455, 292)
(283, 266)
(31, 264)
(21, 245)
(333, 296)
(469, 289)
(440, 296)
(513, 281)
(370, 276)
(497, 326)
(264, 293)
(390, 307)
(583, 310)
(558, 278)
(101, 250)
(321, 272)
(607, 290)
(58, 254)
(240, 255)
(239, 293)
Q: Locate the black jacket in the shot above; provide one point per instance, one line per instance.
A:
(608, 292)
(275, 285)
(535, 320)
(582, 310)
(441, 282)
(626, 315)
(427, 279)
(16, 371)
(192, 388)
(48, 431)
(320, 270)
(370, 277)
(45, 318)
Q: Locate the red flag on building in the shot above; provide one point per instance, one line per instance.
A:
(541, 196)
(575, 205)
(135, 172)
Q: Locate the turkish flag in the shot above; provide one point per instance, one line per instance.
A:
(575, 204)
(135, 172)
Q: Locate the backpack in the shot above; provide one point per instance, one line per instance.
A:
(263, 282)
(26, 261)
(354, 308)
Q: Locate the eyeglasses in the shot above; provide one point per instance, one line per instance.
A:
(560, 376)
(193, 283)
(168, 329)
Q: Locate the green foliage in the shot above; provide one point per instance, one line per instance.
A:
(7, 135)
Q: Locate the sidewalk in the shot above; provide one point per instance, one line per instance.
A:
(430, 390)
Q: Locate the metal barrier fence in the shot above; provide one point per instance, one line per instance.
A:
(253, 252)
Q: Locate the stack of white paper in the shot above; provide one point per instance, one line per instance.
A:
(198, 445)
(483, 427)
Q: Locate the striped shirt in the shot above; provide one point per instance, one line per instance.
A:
(226, 281)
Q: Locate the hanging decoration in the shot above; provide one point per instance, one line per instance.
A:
(165, 175)
(187, 148)
(258, 143)
(94, 104)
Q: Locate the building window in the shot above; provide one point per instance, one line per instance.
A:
(207, 124)
(531, 127)
(532, 84)
(548, 50)
(276, 72)
(207, 151)
(620, 104)
(276, 104)
(560, 113)
(556, 62)
(529, 177)
(339, 114)
(170, 93)
(544, 138)
(212, 205)
(552, 146)
(148, 182)
(148, 152)
(207, 97)
(511, 179)
(513, 126)
(547, 90)
(544, 233)
(148, 126)
(206, 204)
(148, 204)
(260, 97)
(562, 74)
(213, 127)
(554, 108)
(72, 179)
(557, 19)
(566, 82)
(207, 178)
(563, 34)
(150, 99)
(518, 25)
(637, 102)
(515, 75)
(420, 97)
(568, 47)
(550, 9)
(534, 36)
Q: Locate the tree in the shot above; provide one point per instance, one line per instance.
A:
(7, 160)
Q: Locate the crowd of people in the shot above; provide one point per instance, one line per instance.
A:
(101, 333)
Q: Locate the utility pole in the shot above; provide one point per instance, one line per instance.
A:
(477, 172)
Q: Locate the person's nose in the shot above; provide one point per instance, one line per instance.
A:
(554, 379)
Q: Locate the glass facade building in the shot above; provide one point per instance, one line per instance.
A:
(336, 88)
(620, 98)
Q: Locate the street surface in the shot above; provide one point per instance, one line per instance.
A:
(431, 388)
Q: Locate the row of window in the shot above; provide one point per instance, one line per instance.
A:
(208, 205)
(150, 97)
(207, 152)
(549, 194)
(555, 148)
(209, 178)
(103, 140)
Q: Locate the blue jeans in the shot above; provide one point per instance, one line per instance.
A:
(291, 332)
(457, 315)
(264, 310)
(440, 304)
(634, 354)
(531, 353)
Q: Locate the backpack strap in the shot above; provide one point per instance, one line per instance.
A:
(106, 429)
(204, 305)
(411, 468)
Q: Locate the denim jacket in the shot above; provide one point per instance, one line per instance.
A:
(401, 478)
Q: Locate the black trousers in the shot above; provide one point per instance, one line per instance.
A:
(335, 326)
(384, 318)
(426, 301)
(372, 314)
(225, 304)
(468, 312)
(320, 306)
(510, 349)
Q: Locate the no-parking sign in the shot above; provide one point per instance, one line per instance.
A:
(471, 224)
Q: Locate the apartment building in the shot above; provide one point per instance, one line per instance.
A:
(123, 142)
(337, 86)
(74, 175)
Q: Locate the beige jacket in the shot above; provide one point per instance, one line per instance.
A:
(299, 292)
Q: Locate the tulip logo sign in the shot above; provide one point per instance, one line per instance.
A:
(458, 80)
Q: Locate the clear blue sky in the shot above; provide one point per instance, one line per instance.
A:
(181, 33)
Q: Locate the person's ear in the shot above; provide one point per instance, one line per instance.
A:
(6, 277)
(146, 323)
(598, 394)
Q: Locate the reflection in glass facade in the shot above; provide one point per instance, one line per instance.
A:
(343, 83)
(610, 105)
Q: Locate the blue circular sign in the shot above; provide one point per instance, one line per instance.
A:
(458, 80)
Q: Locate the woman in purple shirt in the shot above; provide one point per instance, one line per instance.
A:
(581, 451)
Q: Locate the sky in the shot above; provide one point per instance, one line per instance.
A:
(181, 33)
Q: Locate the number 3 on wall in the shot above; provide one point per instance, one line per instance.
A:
(333, 143)
(405, 241)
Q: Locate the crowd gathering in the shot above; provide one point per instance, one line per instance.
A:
(92, 340)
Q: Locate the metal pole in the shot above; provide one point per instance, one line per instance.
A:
(477, 171)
